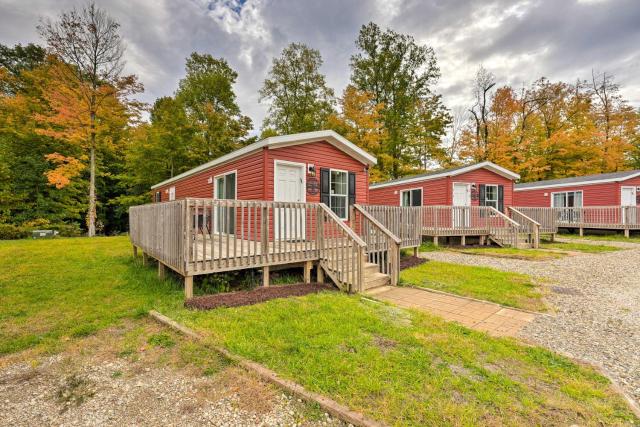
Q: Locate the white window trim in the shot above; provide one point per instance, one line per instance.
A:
(346, 196)
(497, 200)
(303, 166)
(215, 183)
(568, 191)
(172, 193)
(410, 190)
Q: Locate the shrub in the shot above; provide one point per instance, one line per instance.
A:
(13, 232)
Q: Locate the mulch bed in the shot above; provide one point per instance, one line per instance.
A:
(411, 261)
(254, 296)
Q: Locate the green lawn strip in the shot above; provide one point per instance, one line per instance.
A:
(516, 253)
(506, 288)
(578, 247)
(635, 238)
(409, 368)
(58, 288)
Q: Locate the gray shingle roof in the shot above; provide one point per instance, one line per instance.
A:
(613, 176)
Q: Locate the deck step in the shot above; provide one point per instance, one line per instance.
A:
(376, 280)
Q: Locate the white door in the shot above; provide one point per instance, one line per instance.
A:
(628, 198)
(289, 187)
(461, 203)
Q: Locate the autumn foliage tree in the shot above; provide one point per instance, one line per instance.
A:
(86, 91)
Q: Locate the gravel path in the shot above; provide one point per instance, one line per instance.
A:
(597, 302)
(93, 385)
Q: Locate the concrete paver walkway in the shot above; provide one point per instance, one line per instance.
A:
(484, 316)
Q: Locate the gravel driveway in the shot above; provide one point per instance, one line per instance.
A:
(97, 383)
(596, 298)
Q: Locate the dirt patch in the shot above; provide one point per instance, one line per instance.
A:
(254, 296)
(384, 344)
(411, 261)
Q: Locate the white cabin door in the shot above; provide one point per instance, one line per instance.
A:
(289, 187)
(461, 204)
(628, 198)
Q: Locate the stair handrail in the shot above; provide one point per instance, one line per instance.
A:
(357, 274)
(513, 225)
(392, 264)
(535, 232)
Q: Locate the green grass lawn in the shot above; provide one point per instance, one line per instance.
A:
(578, 247)
(52, 290)
(635, 238)
(397, 366)
(515, 253)
(409, 368)
(511, 289)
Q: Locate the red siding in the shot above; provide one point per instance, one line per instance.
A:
(255, 172)
(607, 194)
(440, 191)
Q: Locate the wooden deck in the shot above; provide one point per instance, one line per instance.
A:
(204, 236)
(622, 218)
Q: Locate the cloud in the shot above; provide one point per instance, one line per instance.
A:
(519, 41)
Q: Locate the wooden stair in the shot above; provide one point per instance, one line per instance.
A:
(372, 276)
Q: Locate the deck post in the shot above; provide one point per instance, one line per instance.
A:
(320, 274)
(463, 240)
(553, 237)
(581, 232)
(307, 271)
(135, 251)
(415, 251)
(265, 276)
(145, 259)
(162, 271)
(188, 287)
(482, 240)
(435, 240)
(626, 233)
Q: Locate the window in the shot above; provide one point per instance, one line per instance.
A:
(172, 193)
(158, 196)
(567, 199)
(412, 197)
(225, 189)
(339, 193)
(491, 196)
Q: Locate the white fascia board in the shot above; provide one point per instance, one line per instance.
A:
(578, 183)
(277, 142)
(487, 165)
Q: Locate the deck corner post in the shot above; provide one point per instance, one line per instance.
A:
(188, 287)
(162, 271)
(320, 274)
(135, 251)
(415, 251)
(145, 259)
(265, 276)
(307, 272)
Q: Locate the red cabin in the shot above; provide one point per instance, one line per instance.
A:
(309, 167)
(481, 184)
(609, 189)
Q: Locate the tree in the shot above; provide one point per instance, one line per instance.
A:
(90, 73)
(207, 96)
(298, 96)
(484, 82)
(360, 122)
(400, 74)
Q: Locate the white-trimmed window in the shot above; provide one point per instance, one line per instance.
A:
(566, 199)
(491, 196)
(339, 188)
(172, 193)
(226, 186)
(411, 197)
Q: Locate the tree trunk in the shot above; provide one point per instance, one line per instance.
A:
(92, 180)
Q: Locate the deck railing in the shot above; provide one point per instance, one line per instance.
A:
(383, 247)
(597, 217)
(527, 226)
(503, 229)
(403, 222)
(200, 236)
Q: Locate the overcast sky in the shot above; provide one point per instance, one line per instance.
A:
(519, 41)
